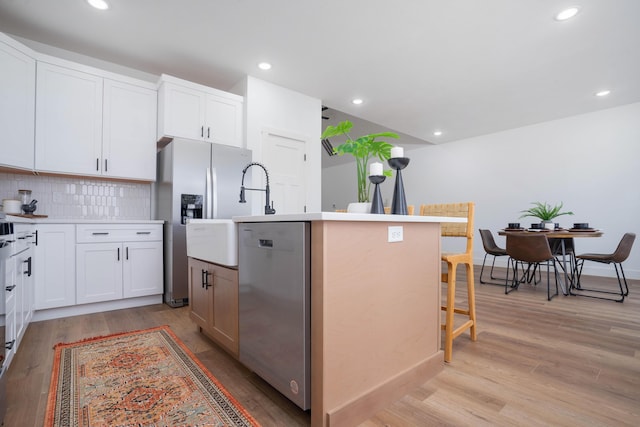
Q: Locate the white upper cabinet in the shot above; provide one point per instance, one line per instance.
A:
(68, 121)
(129, 129)
(181, 112)
(190, 110)
(17, 104)
(88, 124)
(223, 118)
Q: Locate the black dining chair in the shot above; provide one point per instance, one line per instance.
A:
(490, 248)
(616, 258)
(534, 251)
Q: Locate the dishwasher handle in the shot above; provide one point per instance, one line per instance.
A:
(265, 243)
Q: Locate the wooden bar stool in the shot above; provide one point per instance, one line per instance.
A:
(461, 230)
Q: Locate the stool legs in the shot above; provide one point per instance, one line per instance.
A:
(450, 309)
(471, 293)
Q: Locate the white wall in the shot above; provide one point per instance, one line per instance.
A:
(589, 162)
(268, 106)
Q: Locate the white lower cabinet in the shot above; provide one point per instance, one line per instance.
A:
(142, 269)
(99, 273)
(55, 266)
(118, 261)
(19, 289)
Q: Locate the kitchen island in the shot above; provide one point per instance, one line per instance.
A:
(375, 309)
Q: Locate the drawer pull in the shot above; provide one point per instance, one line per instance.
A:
(100, 234)
(9, 344)
(10, 288)
(143, 232)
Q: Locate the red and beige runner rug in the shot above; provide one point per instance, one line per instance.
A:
(142, 378)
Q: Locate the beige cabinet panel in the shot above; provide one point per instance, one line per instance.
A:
(213, 302)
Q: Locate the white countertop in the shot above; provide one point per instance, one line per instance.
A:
(344, 216)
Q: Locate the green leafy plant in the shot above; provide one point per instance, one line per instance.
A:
(363, 149)
(544, 211)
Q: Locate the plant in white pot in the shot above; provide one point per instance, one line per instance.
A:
(363, 149)
(545, 212)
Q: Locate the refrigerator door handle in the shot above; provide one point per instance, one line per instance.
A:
(207, 195)
(214, 193)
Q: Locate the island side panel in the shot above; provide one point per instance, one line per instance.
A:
(375, 316)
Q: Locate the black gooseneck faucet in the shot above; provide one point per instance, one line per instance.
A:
(268, 209)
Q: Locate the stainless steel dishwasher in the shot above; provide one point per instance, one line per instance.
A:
(274, 267)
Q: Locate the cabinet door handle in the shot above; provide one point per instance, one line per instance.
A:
(143, 232)
(9, 344)
(207, 285)
(208, 132)
(127, 253)
(28, 262)
(118, 254)
(106, 166)
(10, 288)
(36, 233)
(97, 164)
(100, 234)
(205, 279)
(202, 131)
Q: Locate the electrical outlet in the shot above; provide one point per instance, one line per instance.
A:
(395, 234)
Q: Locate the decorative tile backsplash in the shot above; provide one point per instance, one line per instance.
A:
(81, 198)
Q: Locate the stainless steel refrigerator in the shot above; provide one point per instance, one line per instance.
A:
(195, 179)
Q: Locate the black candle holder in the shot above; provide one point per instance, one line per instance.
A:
(376, 204)
(399, 204)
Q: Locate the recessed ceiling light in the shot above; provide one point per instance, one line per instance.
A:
(603, 93)
(99, 4)
(356, 101)
(437, 133)
(567, 14)
(264, 66)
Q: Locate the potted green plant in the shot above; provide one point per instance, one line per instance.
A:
(545, 212)
(363, 149)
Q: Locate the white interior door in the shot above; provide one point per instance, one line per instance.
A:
(283, 155)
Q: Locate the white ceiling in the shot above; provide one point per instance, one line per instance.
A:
(467, 67)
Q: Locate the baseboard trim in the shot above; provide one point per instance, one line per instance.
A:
(77, 310)
(365, 406)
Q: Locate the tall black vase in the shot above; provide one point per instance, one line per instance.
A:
(399, 204)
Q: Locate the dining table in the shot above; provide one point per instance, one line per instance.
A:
(563, 235)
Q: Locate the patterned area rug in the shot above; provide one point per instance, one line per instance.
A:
(142, 378)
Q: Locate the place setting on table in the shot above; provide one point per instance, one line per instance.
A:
(555, 229)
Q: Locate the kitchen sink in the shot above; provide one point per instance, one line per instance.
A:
(213, 240)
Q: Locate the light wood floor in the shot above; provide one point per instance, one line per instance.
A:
(568, 362)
